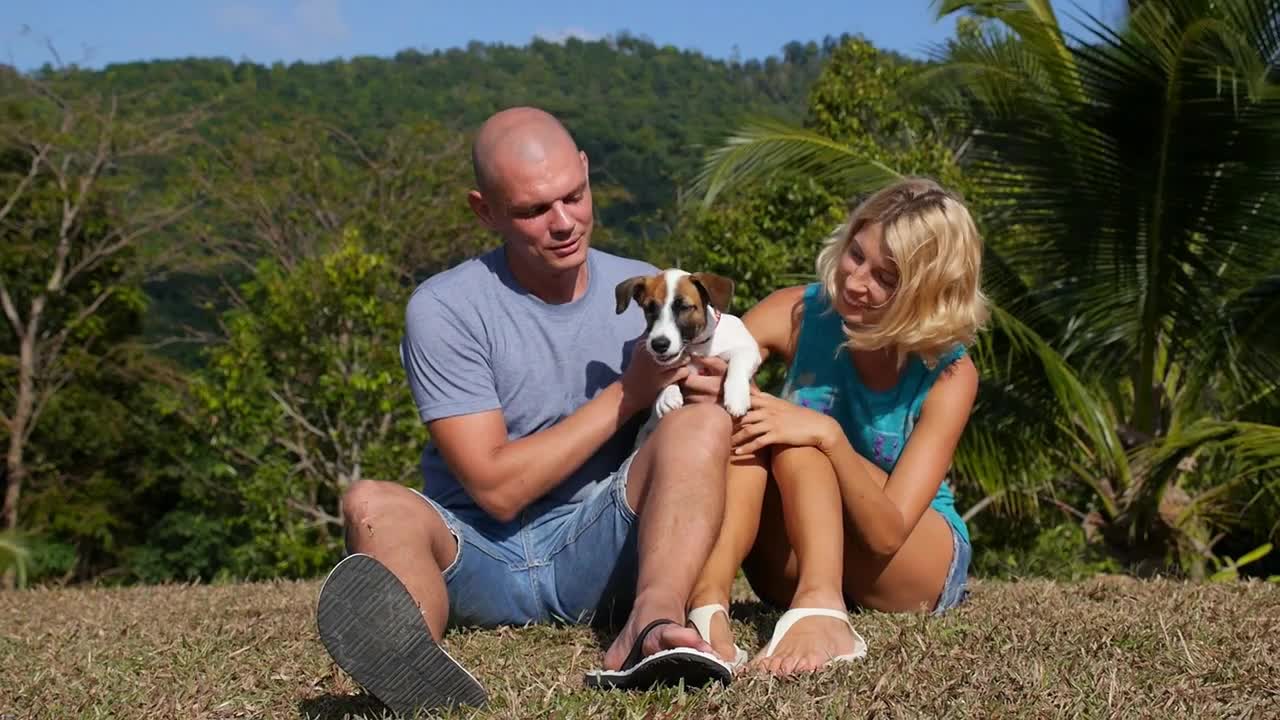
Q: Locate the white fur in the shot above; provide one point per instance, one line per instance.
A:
(726, 338)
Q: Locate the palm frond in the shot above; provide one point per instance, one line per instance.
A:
(763, 148)
(1252, 448)
(1035, 24)
(1132, 214)
(1035, 403)
(1234, 357)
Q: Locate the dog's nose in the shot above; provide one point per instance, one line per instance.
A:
(660, 344)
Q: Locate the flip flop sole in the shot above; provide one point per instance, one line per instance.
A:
(373, 629)
(667, 668)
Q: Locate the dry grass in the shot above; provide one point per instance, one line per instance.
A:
(1109, 647)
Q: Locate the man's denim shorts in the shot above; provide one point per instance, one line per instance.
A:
(956, 588)
(573, 564)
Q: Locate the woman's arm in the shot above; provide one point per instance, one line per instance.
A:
(885, 516)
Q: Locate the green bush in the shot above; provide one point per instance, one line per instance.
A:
(1060, 552)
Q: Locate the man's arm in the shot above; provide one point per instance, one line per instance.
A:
(504, 477)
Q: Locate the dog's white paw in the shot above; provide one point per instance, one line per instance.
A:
(737, 399)
(670, 399)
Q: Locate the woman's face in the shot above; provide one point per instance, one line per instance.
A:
(866, 278)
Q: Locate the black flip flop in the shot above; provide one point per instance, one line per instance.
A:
(374, 630)
(682, 665)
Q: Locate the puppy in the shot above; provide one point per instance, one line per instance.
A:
(686, 316)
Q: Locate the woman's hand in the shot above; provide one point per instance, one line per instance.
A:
(773, 421)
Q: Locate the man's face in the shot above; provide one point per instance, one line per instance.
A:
(541, 206)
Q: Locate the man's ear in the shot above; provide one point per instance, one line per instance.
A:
(627, 291)
(480, 206)
(717, 290)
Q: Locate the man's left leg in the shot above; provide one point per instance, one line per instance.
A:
(676, 485)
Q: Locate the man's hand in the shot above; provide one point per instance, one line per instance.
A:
(644, 378)
(705, 382)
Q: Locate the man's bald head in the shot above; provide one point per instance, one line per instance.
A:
(523, 135)
(533, 189)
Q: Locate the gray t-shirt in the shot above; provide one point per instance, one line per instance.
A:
(475, 340)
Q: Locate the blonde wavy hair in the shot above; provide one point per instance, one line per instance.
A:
(935, 245)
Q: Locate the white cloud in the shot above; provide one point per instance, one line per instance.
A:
(309, 26)
(559, 36)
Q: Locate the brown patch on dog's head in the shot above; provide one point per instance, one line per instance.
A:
(689, 307)
(716, 290)
(649, 292)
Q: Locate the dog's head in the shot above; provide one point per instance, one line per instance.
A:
(678, 307)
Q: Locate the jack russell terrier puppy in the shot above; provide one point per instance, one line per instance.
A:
(685, 312)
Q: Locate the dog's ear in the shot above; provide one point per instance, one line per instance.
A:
(627, 291)
(717, 290)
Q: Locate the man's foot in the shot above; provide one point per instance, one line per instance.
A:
(664, 637)
(654, 650)
(374, 630)
(810, 641)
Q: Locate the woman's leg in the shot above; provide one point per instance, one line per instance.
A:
(911, 580)
(814, 521)
(744, 492)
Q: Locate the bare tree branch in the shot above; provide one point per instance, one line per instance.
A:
(11, 312)
(317, 514)
(297, 416)
(36, 161)
(54, 347)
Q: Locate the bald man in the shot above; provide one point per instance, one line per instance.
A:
(535, 507)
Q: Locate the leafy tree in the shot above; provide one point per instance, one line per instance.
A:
(73, 250)
(306, 396)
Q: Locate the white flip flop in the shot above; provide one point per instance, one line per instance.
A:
(794, 615)
(701, 619)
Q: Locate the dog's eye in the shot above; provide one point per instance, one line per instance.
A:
(651, 307)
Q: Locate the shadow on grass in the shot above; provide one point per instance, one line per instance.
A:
(342, 707)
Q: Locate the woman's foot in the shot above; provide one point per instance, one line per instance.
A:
(811, 642)
(721, 635)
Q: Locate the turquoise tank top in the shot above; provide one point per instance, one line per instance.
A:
(877, 423)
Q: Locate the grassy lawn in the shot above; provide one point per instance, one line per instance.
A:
(1108, 647)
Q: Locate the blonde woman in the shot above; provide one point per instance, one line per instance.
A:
(837, 490)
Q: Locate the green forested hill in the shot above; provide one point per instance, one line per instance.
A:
(642, 112)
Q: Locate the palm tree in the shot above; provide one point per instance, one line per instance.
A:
(1132, 205)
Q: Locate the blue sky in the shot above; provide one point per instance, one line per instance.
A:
(94, 33)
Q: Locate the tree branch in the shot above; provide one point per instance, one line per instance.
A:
(318, 515)
(46, 393)
(11, 312)
(32, 172)
(127, 238)
(54, 349)
(293, 413)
